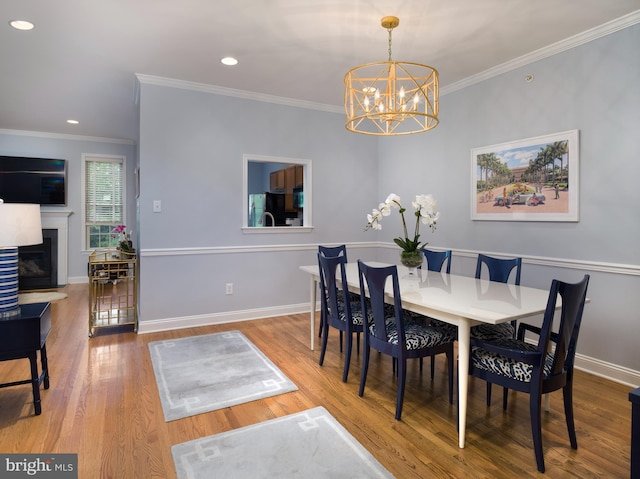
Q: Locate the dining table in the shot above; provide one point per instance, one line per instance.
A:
(459, 300)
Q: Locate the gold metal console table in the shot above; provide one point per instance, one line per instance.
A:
(113, 289)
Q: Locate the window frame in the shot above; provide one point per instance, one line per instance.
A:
(93, 157)
(308, 197)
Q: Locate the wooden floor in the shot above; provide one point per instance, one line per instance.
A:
(103, 404)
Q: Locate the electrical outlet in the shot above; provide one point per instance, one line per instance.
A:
(157, 206)
(229, 289)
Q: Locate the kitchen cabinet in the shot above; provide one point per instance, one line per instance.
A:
(285, 180)
(277, 181)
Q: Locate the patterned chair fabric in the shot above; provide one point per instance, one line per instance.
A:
(417, 335)
(506, 366)
(491, 332)
(356, 312)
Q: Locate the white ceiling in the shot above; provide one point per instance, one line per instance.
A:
(81, 59)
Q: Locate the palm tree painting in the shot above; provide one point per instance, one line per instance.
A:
(535, 179)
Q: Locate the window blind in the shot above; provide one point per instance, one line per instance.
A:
(104, 192)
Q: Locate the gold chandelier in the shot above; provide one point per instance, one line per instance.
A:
(391, 98)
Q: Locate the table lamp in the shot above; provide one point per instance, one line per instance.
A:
(20, 225)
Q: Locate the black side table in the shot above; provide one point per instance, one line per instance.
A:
(634, 397)
(22, 336)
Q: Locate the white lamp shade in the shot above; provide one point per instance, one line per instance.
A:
(20, 225)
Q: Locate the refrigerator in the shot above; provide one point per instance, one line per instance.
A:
(265, 208)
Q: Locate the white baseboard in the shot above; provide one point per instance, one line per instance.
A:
(166, 324)
(609, 371)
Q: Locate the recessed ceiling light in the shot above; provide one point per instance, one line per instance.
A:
(73, 122)
(229, 61)
(21, 25)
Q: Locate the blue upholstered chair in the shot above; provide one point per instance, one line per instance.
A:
(337, 251)
(542, 367)
(499, 270)
(397, 336)
(335, 311)
(436, 261)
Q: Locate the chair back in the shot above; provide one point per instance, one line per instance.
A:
(331, 304)
(333, 251)
(565, 338)
(436, 259)
(499, 269)
(374, 280)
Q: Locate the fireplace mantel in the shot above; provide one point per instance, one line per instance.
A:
(59, 220)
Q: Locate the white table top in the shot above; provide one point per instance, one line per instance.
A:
(450, 297)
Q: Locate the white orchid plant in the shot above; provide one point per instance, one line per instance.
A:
(425, 212)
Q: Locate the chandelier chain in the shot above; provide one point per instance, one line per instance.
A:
(390, 30)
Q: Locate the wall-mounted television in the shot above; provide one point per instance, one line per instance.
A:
(33, 180)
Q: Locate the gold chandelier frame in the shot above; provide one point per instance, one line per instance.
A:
(391, 98)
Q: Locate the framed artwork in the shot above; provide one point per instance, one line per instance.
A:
(535, 179)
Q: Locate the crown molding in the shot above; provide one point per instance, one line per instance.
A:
(563, 45)
(64, 136)
(246, 95)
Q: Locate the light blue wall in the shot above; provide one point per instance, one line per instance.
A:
(72, 148)
(592, 88)
(191, 149)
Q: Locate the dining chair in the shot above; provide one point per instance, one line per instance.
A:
(336, 251)
(397, 336)
(344, 315)
(499, 270)
(437, 259)
(435, 262)
(541, 367)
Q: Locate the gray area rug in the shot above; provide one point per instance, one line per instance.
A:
(203, 373)
(310, 445)
(49, 296)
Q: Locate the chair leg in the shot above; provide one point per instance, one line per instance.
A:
(365, 368)
(536, 427)
(505, 398)
(402, 379)
(567, 393)
(325, 337)
(433, 366)
(449, 355)
(488, 393)
(340, 340)
(347, 357)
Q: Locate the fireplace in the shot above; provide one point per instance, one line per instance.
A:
(38, 264)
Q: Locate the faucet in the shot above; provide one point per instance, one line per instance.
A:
(266, 213)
